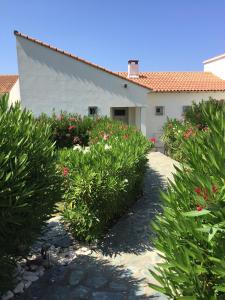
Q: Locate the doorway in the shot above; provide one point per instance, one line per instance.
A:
(120, 114)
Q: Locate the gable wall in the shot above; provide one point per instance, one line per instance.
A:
(50, 80)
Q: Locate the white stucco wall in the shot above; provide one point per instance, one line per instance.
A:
(14, 95)
(50, 80)
(216, 66)
(173, 107)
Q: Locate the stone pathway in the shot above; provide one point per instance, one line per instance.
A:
(117, 267)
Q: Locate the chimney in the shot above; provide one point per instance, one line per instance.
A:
(133, 68)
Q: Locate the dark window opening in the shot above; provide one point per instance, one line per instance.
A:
(186, 108)
(92, 110)
(119, 112)
(159, 110)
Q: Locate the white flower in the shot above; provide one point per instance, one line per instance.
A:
(86, 149)
(125, 180)
(107, 147)
(77, 147)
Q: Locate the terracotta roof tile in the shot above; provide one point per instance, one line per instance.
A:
(7, 82)
(180, 81)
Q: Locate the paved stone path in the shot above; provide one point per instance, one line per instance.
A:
(116, 268)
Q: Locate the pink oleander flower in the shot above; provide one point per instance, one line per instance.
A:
(71, 127)
(65, 171)
(60, 118)
(105, 137)
(72, 119)
(199, 208)
(153, 140)
(198, 190)
(188, 133)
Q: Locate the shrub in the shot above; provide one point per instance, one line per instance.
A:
(104, 179)
(174, 137)
(176, 132)
(191, 230)
(29, 183)
(68, 129)
(195, 116)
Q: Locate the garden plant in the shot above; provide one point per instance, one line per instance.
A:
(29, 184)
(176, 132)
(92, 168)
(68, 129)
(103, 179)
(190, 232)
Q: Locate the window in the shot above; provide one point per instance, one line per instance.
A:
(119, 112)
(185, 108)
(159, 110)
(92, 110)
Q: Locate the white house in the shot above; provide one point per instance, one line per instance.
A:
(51, 78)
(9, 84)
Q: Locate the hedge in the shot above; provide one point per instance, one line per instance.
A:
(177, 132)
(191, 231)
(103, 179)
(29, 184)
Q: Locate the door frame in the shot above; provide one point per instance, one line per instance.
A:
(118, 117)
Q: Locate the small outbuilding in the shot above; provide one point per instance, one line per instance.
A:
(9, 84)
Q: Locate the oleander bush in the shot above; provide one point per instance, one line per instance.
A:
(174, 137)
(103, 179)
(68, 129)
(190, 233)
(29, 184)
(195, 116)
(176, 132)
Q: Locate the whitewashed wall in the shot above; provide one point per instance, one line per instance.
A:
(50, 80)
(173, 107)
(14, 95)
(216, 66)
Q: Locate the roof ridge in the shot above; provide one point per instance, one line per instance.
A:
(17, 33)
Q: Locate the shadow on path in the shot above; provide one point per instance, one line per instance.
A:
(119, 267)
(86, 278)
(131, 234)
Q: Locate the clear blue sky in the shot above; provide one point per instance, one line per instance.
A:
(165, 35)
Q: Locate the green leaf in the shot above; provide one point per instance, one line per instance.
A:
(195, 213)
(187, 298)
(157, 277)
(212, 233)
(157, 288)
(220, 288)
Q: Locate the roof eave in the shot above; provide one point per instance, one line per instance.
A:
(188, 91)
(218, 57)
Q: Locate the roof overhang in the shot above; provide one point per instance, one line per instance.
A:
(214, 59)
